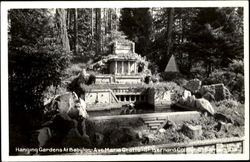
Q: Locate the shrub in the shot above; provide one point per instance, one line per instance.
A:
(153, 67)
(234, 82)
(233, 109)
(170, 76)
(29, 76)
(74, 69)
(232, 104)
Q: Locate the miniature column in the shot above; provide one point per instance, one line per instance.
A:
(115, 67)
(135, 65)
(122, 67)
(133, 47)
(128, 67)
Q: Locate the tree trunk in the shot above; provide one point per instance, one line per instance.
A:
(75, 32)
(169, 32)
(105, 20)
(92, 28)
(61, 25)
(109, 20)
(92, 23)
(115, 27)
(98, 31)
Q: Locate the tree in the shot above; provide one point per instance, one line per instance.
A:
(37, 55)
(136, 23)
(76, 31)
(98, 31)
(216, 37)
(61, 25)
(169, 32)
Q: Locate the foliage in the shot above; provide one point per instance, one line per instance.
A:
(232, 77)
(216, 38)
(233, 109)
(36, 60)
(84, 31)
(136, 23)
(182, 22)
(170, 76)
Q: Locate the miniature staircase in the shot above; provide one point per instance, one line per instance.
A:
(154, 122)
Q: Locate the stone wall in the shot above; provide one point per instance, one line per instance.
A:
(173, 116)
(159, 98)
(128, 47)
(219, 91)
(129, 79)
(103, 79)
(100, 98)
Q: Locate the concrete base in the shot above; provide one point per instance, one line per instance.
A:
(173, 116)
(99, 107)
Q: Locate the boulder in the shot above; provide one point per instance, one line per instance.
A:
(193, 85)
(204, 105)
(142, 137)
(223, 118)
(209, 96)
(161, 130)
(68, 103)
(191, 103)
(186, 94)
(193, 132)
(40, 137)
(169, 125)
(139, 135)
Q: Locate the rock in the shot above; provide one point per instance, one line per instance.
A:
(204, 105)
(222, 126)
(219, 91)
(69, 103)
(186, 94)
(139, 135)
(78, 110)
(40, 137)
(193, 132)
(145, 140)
(193, 85)
(169, 125)
(222, 117)
(161, 130)
(142, 137)
(191, 103)
(209, 96)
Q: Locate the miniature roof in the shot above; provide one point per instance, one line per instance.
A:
(171, 66)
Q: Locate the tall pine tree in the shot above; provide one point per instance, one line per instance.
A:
(136, 23)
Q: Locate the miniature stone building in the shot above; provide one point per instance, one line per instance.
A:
(123, 65)
(124, 81)
(124, 61)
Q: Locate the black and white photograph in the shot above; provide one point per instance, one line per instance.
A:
(116, 80)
